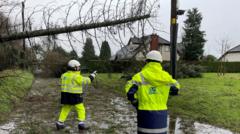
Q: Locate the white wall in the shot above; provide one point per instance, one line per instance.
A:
(165, 51)
(231, 57)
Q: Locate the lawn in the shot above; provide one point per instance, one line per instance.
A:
(110, 81)
(14, 84)
(211, 99)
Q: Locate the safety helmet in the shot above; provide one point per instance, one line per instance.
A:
(73, 63)
(154, 55)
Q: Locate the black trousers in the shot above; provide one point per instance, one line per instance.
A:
(71, 98)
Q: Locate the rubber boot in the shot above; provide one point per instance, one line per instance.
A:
(60, 125)
(82, 126)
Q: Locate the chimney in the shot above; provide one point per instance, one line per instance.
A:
(154, 42)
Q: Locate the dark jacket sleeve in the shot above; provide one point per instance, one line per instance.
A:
(131, 92)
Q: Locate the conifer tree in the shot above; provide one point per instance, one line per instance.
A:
(193, 40)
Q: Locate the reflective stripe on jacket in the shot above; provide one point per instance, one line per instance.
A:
(74, 82)
(153, 87)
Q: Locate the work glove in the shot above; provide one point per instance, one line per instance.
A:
(173, 90)
(93, 75)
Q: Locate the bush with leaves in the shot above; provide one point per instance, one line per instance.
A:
(55, 62)
(186, 70)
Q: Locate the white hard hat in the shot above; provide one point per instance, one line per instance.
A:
(73, 63)
(154, 55)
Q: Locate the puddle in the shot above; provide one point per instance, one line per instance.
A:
(208, 129)
(104, 126)
(179, 126)
(119, 103)
(7, 128)
(126, 114)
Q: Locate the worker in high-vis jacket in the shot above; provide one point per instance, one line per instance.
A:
(148, 91)
(72, 85)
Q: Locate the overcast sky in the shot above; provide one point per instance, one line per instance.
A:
(220, 20)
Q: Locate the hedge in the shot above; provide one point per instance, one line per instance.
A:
(228, 67)
(190, 69)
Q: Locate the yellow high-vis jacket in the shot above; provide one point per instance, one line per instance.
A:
(153, 87)
(73, 82)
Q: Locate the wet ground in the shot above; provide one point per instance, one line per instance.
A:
(107, 113)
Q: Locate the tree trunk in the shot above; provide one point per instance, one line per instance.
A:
(67, 29)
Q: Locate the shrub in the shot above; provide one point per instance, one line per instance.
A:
(186, 70)
(54, 64)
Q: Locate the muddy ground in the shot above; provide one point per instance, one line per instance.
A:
(107, 113)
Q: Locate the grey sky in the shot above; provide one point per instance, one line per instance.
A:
(220, 20)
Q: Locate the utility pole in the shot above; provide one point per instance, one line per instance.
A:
(173, 35)
(23, 40)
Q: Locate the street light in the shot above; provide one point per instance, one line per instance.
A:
(180, 12)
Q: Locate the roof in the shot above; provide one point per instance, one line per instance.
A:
(136, 40)
(127, 52)
(235, 49)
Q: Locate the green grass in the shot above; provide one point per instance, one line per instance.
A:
(14, 84)
(211, 99)
(110, 81)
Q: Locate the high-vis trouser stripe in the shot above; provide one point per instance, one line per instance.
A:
(152, 131)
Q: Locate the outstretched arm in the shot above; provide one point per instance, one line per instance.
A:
(92, 75)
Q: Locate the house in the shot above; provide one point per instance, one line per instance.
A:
(138, 47)
(232, 55)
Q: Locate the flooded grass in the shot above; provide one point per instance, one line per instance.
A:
(211, 99)
(109, 112)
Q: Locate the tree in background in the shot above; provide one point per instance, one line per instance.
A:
(105, 55)
(88, 55)
(209, 58)
(225, 46)
(55, 61)
(10, 51)
(88, 50)
(193, 39)
(105, 51)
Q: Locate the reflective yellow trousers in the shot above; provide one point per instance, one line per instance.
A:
(67, 108)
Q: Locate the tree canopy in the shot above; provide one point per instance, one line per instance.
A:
(88, 52)
(193, 39)
(105, 51)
